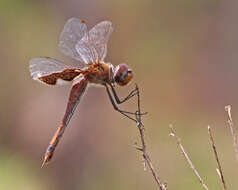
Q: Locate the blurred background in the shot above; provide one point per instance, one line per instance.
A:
(184, 57)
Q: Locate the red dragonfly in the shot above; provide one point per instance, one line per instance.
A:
(90, 49)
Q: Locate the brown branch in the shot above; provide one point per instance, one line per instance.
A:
(219, 170)
(145, 155)
(231, 125)
(173, 134)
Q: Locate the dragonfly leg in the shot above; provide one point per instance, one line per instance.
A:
(125, 113)
(129, 96)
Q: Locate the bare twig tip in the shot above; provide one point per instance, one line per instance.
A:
(228, 108)
(165, 185)
(144, 165)
(232, 129)
(137, 147)
(171, 134)
(187, 157)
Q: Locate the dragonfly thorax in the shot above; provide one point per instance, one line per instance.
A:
(101, 73)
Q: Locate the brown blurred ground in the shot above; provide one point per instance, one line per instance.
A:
(184, 56)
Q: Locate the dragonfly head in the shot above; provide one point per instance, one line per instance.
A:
(122, 74)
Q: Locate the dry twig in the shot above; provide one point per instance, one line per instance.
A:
(219, 170)
(146, 157)
(231, 125)
(173, 134)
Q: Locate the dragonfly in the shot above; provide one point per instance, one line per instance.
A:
(89, 48)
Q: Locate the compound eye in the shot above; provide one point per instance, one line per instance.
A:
(129, 72)
(122, 74)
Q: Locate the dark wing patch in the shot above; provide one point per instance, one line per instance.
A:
(66, 75)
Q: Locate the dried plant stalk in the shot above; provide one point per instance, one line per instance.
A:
(145, 155)
(219, 170)
(173, 134)
(231, 125)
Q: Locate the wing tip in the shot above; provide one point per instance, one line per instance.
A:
(72, 19)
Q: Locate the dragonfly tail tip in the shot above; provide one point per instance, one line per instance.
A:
(44, 162)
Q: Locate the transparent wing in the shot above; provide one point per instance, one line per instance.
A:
(86, 50)
(99, 36)
(101, 32)
(93, 46)
(73, 31)
(51, 71)
(43, 66)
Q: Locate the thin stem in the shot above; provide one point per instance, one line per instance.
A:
(220, 173)
(173, 134)
(146, 157)
(231, 125)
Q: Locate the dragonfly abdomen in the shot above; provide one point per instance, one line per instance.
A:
(78, 88)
